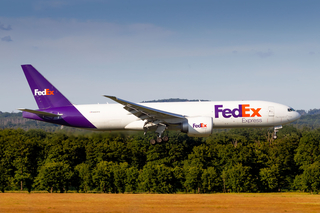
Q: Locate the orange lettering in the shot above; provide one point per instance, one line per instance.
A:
(255, 112)
(244, 110)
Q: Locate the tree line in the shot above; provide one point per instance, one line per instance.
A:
(238, 160)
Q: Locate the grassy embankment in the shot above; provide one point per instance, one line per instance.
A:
(242, 202)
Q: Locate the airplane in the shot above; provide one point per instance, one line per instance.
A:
(197, 119)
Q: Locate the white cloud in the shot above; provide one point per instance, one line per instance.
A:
(3, 27)
(265, 54)
(6, 39)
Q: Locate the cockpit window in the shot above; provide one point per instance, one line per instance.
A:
(290, 110)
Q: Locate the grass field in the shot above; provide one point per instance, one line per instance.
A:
(74, 202)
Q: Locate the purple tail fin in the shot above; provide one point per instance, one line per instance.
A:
(45, 94)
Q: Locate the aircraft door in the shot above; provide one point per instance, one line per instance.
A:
(271, 114)
(271, 111)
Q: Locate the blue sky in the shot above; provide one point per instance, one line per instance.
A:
(145, 50)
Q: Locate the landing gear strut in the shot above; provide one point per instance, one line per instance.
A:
(160, 129)
(275, 130)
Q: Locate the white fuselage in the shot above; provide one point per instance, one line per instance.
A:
(225, 114)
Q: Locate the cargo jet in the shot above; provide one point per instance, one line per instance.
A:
(197, 119)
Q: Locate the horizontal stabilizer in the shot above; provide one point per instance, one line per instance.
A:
(40, 112)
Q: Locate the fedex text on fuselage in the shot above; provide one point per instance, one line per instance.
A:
(243, 110)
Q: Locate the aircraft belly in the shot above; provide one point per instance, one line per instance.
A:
(111, 124)
(135, 125)
(107, 117)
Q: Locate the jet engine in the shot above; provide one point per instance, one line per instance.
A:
(197, 126)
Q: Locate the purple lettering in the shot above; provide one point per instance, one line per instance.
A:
(217, 110)
(201, 125)
(226, 113)
(237, 110)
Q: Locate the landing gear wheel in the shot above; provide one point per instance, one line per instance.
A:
(159, 139)
(152, 141)
(165, 138)
(274, 136)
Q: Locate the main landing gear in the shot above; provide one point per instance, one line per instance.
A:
(160, 129)
(159, 140)
(275, 130)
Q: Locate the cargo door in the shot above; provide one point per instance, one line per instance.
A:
(271, 114)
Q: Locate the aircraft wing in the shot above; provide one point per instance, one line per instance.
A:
(144, 112)
(40, 112)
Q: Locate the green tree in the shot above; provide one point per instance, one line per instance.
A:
(179, 179)
(156, 178)
(103, 176)
(54, 176)
(120, 176)
(238, 178)
(20, 154)
(270, 177)
(28, 152)
(211, 181)
(4, 179)
(308, 150)
(84, 175)
(308, 158)
(164, 179)
(192, 177)
(309, 180)
(132, 175)
(276, 161)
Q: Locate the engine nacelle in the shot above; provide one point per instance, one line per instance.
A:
(198, 126)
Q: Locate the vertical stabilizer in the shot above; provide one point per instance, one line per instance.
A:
(45, 94)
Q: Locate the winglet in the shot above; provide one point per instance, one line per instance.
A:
(111, 97)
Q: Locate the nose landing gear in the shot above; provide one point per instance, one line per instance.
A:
(275, 130)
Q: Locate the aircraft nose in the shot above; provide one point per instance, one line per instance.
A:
(296, 116)
(293, 116)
